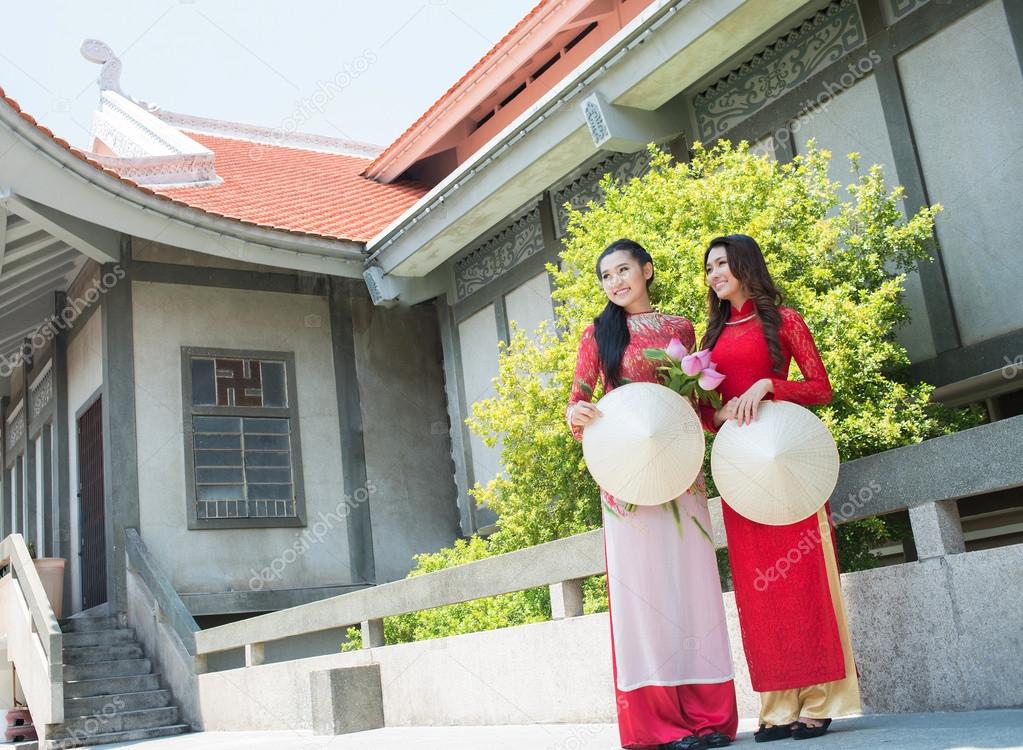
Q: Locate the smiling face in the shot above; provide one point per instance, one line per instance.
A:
(719, 275)
(625, 281)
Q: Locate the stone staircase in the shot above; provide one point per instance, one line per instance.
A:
(111, 693)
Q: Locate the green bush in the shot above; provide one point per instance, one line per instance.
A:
(840, 263)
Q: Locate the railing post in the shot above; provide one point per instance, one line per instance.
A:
(255, 654)
(566, 599)
(372, 633)
(937, 530)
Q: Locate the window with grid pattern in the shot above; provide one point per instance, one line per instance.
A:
(242, 442)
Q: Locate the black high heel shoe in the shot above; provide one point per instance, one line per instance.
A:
(717, 739)
(806, 732)
(770, 734)
(692, 742)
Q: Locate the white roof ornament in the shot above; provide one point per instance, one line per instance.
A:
(129, 138)
(101, 53)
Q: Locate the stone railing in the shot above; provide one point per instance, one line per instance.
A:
(34, 641)
(166, 596)
(163, 625)
(927, 479)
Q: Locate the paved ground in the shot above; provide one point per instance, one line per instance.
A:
(975, 730)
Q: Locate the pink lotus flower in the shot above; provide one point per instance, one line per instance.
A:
(691, 365)
(710, 379)
(696, 362)
(675, 350)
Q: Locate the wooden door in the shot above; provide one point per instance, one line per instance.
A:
(91, 508)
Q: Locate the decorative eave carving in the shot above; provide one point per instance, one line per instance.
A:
(821, 40)
(521, 238)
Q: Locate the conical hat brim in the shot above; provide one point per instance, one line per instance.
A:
(648, 446)
(778, 470)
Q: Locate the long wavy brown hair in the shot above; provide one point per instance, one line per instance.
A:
(746, 262)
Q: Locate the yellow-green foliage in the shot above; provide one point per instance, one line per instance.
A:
(840, 263)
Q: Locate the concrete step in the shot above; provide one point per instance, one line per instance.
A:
(106, 704)
(100, 669)
(92, 654)
(85, 688)
(116, 637)
(133, 735)
(109, 723)
(89, 624)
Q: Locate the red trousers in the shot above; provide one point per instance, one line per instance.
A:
(652, 715)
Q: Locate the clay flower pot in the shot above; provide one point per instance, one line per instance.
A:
(51, 573)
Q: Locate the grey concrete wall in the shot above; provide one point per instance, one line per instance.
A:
(414, 507)
(84, 378)
(854, 121)
(478, 356)
(163, 647)
(938, 635)
(963, 89)
(169, 316)
(530, 303)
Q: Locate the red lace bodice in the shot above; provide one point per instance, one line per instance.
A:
(646, 330)
(742, 356)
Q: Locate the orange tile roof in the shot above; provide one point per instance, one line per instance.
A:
(276, 187)
(296, 190)
(389, 151)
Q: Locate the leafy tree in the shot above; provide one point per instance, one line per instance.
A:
(842, 264)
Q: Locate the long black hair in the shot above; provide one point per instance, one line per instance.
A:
(747, 265)
(611, 327)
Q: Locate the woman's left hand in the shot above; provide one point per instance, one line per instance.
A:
(746, 410)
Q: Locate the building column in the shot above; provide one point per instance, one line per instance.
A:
(1014, 15)
(359, 522)
(28, 483)
(120, 451)
(6, 528)
(60, 530)
(461, 460)
(933, 278)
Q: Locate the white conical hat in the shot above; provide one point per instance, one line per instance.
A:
(647, 448)
(778, 470)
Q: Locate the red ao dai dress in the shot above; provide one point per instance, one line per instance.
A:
(787, 586)
(670, 654)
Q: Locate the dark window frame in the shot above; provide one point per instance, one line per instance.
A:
(291, 412)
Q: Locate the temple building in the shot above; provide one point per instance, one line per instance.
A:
(259, 348)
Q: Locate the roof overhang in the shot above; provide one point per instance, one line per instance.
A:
(34, 263)
(521, 43)
(36, 168)
(669, 47)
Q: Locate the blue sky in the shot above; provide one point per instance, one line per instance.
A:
(358, 70)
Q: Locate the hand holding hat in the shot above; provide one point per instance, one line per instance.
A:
(778, 469)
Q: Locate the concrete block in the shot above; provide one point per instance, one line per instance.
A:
(937, 530)
(346, 700)
(372, 633)
(566, 599)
